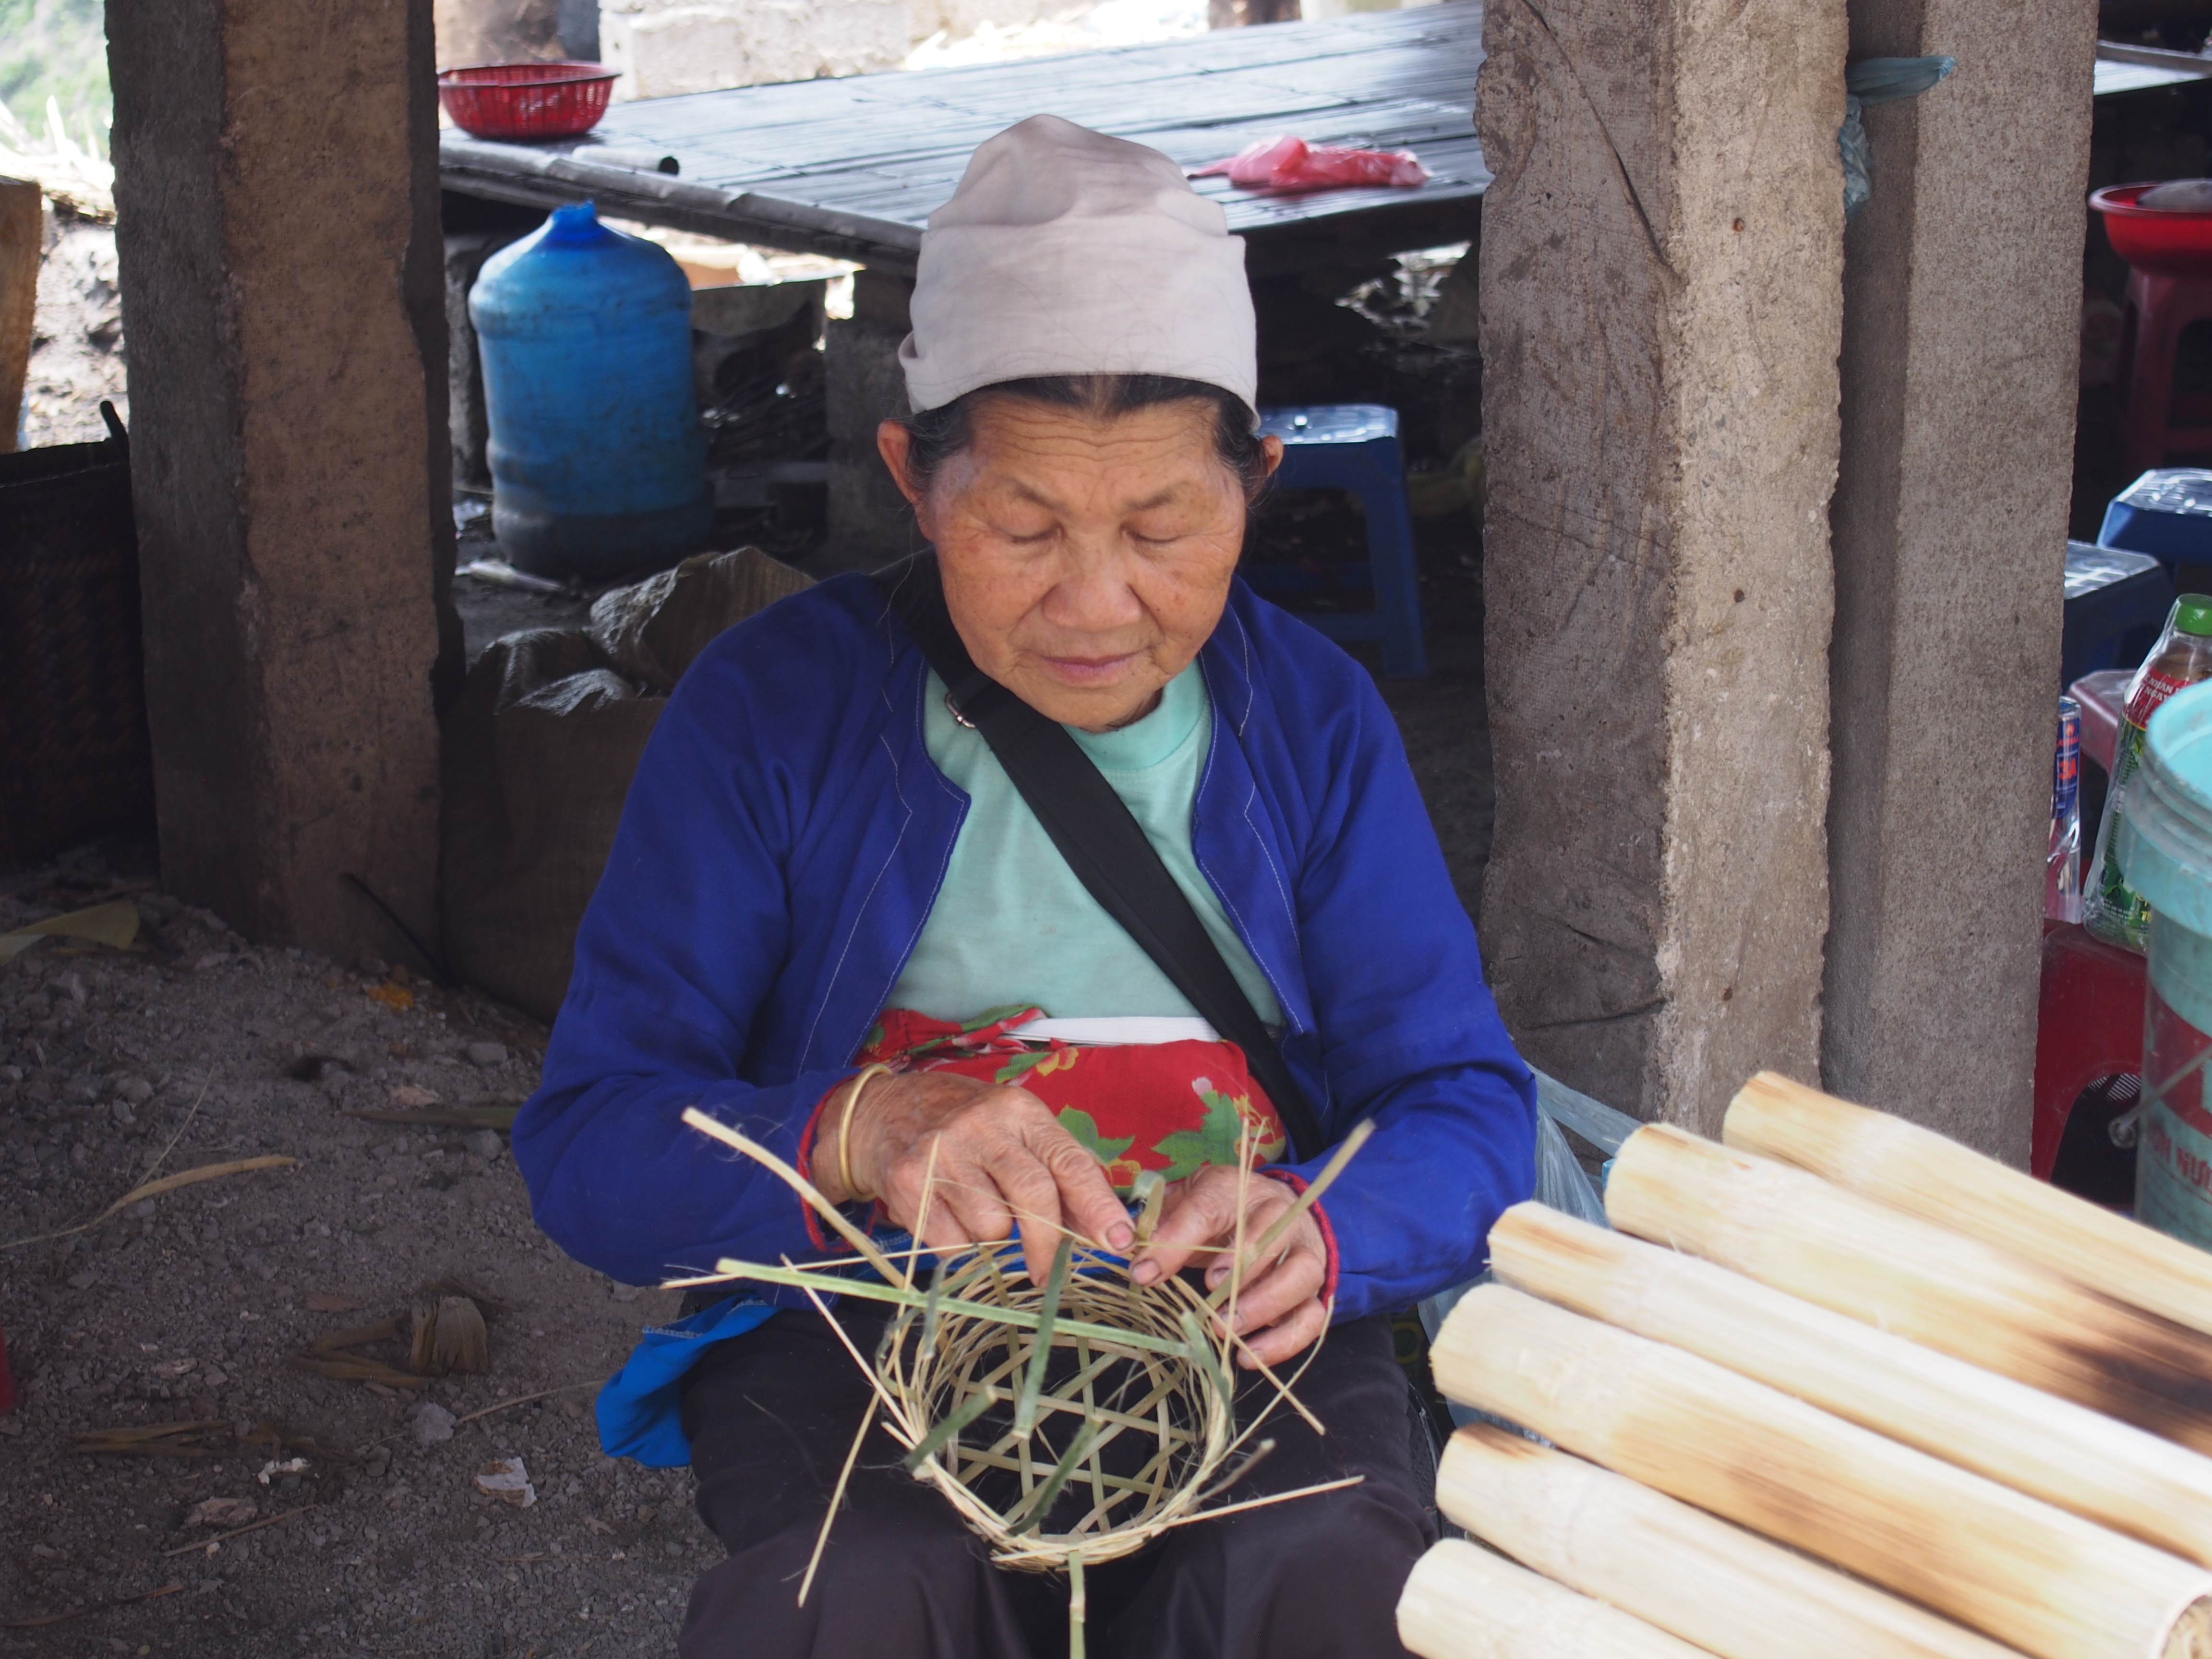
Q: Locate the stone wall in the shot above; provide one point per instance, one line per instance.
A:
(662, 49)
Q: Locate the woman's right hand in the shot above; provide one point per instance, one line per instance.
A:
(1001, 1157)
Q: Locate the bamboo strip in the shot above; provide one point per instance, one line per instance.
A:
(2049, 1447)
(1928, 1175)
(1793, 1230)
(1727, 1591)
(1463, 1602)
(2048, 1583)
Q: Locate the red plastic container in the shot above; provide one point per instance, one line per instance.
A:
(526, 101)
(2156, 241)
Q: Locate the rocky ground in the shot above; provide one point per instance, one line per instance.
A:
(194, 1048)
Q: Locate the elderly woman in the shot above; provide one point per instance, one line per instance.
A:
(833, 920)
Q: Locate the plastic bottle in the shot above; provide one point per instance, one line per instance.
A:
(598, 458)
(2182, 657)
(2062, 868)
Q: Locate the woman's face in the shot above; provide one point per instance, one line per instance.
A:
(1086, 560)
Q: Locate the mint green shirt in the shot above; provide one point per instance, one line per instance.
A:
(1012, 924)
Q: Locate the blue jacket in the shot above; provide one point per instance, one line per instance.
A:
(783, 842)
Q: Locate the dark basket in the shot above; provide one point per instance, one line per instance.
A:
(74, 761)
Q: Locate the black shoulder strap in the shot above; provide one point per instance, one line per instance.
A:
(1099, 837)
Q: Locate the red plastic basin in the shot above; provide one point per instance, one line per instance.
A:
(526, 101)
(2156, 241)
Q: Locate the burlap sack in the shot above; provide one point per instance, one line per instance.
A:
(652, 631)
(538, 753)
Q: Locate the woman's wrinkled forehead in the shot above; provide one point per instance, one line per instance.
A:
(1060, 458)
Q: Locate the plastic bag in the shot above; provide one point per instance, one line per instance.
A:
(1876, 81)
(1561, 1180)
(2062, 872)
(1290, 163)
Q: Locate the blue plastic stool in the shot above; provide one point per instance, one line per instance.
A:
(2116, 602)
(2167, 513)
(1354, 446)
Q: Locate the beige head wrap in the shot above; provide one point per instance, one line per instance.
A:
(1064, 251)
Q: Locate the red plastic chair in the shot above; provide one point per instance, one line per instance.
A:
(2089, 1026)
(2158, 308)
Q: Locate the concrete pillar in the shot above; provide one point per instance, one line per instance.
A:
(1661, 281)
(283, 269)
(1961, 314)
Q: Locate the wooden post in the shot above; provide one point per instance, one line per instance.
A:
(22, 226)
(2045, 1582)
(2047, 1447)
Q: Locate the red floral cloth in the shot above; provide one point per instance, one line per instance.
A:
(1174, 1107)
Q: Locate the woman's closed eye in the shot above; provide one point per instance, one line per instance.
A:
(1025, 530)
(1163, 529)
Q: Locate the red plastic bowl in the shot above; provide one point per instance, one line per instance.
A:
(2157, 241)
(526, 101)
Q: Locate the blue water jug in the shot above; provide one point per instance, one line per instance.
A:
(597, 459)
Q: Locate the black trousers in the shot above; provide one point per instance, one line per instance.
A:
(771, 1415)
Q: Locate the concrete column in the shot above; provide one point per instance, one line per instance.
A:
(1961, 315)
(277, 209)
(1661, 281)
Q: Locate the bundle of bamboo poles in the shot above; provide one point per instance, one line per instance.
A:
(1837, 1387)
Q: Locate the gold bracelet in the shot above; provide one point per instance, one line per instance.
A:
(866, 1075)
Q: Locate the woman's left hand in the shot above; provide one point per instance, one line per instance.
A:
(1280, 1311)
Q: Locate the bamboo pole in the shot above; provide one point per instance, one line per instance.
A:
(1928, 1175)
(1728, 1591)
(2049, 1447)
(2049, 1584)
(1463, 1602)
(1789, 1229)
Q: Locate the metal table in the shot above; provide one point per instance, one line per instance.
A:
(851, 167)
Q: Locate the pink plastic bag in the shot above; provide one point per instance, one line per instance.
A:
(1290, 163)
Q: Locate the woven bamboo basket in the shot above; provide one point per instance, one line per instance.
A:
(1071, 1422)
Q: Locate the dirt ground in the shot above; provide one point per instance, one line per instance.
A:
(192, 1050)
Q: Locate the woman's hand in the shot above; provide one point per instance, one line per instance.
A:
(1001, 1157)
(1280, 1311)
